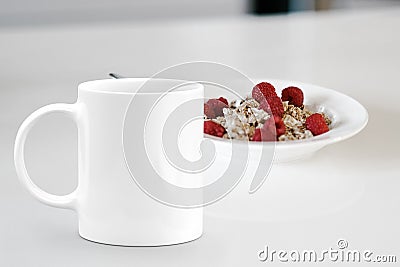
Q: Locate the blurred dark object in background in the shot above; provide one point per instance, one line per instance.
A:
(322, 4)
(265, 7)
(269, 7)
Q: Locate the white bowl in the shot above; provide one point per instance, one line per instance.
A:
(348, 118)
(289, 193)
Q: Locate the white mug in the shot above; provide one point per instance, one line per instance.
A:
(111, 207)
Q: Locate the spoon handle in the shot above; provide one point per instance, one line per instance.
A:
(116, 76)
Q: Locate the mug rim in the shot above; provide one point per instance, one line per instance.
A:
(88, 86)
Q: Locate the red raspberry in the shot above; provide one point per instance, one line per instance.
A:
(223, 100)
(266, 133)
(216, 106)
(263, 91)
(280, 127)
(294, 95)
(257, 135)
(263, 135)
(209, 112)
(316, 124)
(213, 128)
(274, 106)
(277, 123)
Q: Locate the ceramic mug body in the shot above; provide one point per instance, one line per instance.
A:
(111, 207)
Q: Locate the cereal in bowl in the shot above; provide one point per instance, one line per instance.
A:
(264, 116)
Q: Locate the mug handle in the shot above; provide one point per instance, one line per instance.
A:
(66, 201)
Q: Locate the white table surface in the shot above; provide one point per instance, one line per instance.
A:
(348, 190)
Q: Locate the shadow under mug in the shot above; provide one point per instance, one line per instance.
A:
(111, 207)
